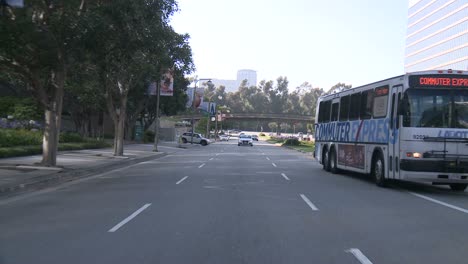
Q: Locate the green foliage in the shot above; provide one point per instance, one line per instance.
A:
(275, 140)
(22, 137)
(273, 126)
(262, 134)
(285, 126)
(292, 142)
(6, 152)
(20, 108)
(7, 105)
(67, 137)
(148, 136)
(19, 137)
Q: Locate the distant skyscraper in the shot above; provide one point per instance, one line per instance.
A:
(233, 85)
(437, 35)
(249, 75)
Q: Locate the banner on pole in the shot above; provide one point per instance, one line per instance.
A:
(167, 83)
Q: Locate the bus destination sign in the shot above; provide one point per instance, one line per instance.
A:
(438, 80)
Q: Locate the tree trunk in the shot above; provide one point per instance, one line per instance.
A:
(50, 139)
(53, 120)
(119, 146)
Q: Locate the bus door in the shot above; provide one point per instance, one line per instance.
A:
(394, 138)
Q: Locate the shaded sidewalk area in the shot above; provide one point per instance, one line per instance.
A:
(19, 174)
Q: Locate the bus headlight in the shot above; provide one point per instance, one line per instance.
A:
(413, 155)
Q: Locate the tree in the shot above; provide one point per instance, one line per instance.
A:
(273, 126)
(35, 47)
(285, 127)
(339, 87)
(132, 41)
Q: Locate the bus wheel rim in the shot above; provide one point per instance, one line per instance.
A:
(378, 170)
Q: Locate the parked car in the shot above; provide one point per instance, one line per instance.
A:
(245, 140)
(255, 137)
(224, 137)
(197, 138)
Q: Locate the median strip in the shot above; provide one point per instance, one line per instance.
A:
(129, 218)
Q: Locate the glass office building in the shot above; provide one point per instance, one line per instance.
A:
(437, 35)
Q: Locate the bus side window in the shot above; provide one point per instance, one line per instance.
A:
(344, 108)
(324, 111)
(334, 113)
(354, 106)
(367, 98)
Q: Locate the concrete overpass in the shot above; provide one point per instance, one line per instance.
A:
(257, 117)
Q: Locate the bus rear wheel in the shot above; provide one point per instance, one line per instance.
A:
(378, 172)
(333, 166)
(326, 160)
(459, 187)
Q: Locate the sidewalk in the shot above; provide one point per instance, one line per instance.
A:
(19, 174)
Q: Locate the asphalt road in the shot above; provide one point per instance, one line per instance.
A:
(228, 204)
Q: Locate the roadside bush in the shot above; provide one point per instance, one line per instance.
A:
(148, 136)
(20, 151)
(19, 137)
(292, 142)
(67, 137)
(261, 134)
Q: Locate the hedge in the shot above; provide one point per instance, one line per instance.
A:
(36, 150)
(19, 137)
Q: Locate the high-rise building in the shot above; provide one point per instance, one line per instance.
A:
(233, 85)
(249, 75)
(437, 35)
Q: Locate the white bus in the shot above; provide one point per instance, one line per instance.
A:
(412, 127)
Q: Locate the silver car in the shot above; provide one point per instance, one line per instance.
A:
(245, 140)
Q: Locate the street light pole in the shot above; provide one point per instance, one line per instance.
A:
(193, 104)
(156, 128)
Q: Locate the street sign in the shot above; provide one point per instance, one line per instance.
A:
(212, 109)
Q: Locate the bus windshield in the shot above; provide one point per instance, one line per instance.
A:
(442, 108)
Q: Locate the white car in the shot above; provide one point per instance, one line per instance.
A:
(245, 140)
(197, 138)
(224, 137)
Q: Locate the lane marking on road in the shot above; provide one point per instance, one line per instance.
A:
(201, 166)
(181, 180)
(359, 255)
(129, 218)
(284, 176)
(211, 159)
(308, 202)
(274, 165)
(217, 154)
(267, 158)
(440, 202)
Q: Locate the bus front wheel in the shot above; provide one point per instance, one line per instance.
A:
(459, 187)
(378, 172)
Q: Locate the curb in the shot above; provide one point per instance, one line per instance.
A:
(62, 176)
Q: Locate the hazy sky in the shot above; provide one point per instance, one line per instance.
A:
(320, 42)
